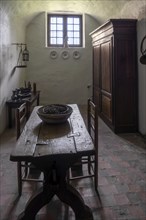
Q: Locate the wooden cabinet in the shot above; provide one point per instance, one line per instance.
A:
(115, 81)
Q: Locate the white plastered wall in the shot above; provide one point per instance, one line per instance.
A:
(59, 80)
(11, 31)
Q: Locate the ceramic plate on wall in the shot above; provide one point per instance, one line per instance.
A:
(53, 54)
(76, 54)
(65, 54)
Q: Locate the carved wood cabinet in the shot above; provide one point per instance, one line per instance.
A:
(115, 80)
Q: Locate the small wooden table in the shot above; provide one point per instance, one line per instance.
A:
(53, 149)
(13, 104)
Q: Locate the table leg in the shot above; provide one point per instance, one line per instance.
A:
(71, 196)
(35, 204)
(55, 184)
(28, 109)
(38, 99)
(10, 116)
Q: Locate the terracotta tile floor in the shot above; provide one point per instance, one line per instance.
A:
(122, 181)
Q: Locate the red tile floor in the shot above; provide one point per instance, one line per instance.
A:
(122, 181)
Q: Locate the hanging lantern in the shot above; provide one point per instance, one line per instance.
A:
(25, 54)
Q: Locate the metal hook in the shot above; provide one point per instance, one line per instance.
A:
(143, 52)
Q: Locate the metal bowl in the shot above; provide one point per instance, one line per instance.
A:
(54, 113)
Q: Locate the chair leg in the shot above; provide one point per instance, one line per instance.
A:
(68, 176)
(26, 169)
(89, 164)
(19, 176)
(96, 174)
(96, 180)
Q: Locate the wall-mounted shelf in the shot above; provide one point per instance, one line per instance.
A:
(22, 66)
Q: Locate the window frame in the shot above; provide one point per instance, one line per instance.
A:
(65, 16)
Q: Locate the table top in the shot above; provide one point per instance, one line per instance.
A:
(39, 139)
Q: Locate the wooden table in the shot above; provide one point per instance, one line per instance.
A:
(13, 104)
(53, 149)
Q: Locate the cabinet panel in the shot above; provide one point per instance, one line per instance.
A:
(125, 59)
(96, 66)
(106, 66)
(106, 107)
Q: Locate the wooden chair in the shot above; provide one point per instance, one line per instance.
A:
(23, 168)
(91, 162)
(21, 118)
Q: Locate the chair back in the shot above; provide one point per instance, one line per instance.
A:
(92, 123)
(21, 118)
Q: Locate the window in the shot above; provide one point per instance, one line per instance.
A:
(64, 30)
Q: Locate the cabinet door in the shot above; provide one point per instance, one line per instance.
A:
(96, 76)
(106, 79)
(96, 66)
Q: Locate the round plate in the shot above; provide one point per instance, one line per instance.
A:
(65, 55)
(76, 54)
(53, 54)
